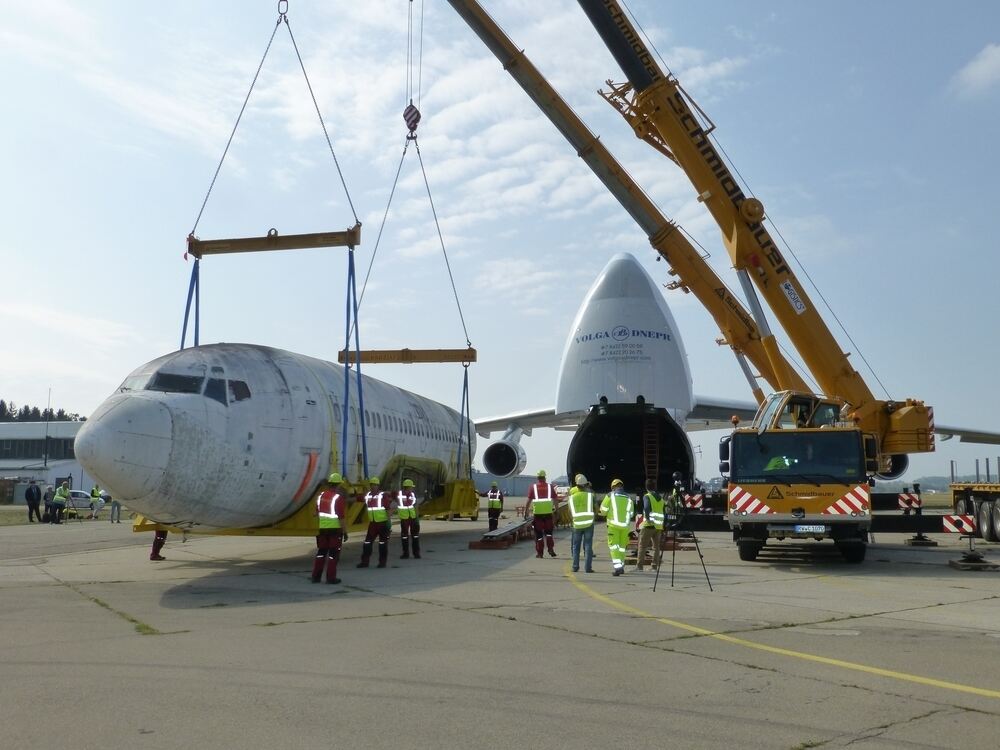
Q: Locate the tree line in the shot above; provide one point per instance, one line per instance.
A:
(11, 412)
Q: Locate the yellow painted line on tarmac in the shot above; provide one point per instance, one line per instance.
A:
(802, 655)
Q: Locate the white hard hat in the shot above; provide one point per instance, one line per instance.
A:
(580, 480)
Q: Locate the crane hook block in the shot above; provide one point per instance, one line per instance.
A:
(411, 116)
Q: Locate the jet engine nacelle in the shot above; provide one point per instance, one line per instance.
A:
(898, 464)
(505, 458)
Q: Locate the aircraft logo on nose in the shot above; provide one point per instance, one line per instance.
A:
(620, 333)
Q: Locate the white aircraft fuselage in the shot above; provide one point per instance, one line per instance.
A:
(240, 436)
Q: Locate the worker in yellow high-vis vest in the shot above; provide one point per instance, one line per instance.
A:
(618, 508)
(581, 511)
(541, 504)
(377, 504)
(331, 505)
(653, 514)
(494, 505)
(409, 520)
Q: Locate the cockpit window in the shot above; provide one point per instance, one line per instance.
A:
(134, 383)
(238, 390)
(216, 388)
(173, 383)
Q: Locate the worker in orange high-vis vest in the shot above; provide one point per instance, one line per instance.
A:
(377, 503)
(542, 503)
(409, 520)
(494, 505)
(330, 507)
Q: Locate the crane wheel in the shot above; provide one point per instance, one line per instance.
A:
(749, 548)
(853, 552)
(985, 520)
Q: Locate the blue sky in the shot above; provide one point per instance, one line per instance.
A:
(867, 129)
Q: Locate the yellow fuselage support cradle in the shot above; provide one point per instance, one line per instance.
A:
(460, 500)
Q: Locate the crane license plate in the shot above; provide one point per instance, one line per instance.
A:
(805, 528)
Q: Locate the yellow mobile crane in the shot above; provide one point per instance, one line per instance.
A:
(752, 344)
(800, 470)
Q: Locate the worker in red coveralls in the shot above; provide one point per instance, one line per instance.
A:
(377, 503)
(159, 539)
(409, 520)
(330, 507)
(542, 503)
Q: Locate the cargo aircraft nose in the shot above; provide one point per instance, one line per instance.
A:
(125, 445)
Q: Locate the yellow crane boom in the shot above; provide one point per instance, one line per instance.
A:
(693, 273)
(661, 112)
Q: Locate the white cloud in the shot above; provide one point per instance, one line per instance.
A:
(980, 75)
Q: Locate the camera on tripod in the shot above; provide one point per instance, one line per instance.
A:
(675, 522)
(677, 511)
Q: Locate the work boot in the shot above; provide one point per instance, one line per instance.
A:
(363, 564)
(335, 580)
(416, 546)
(157, 557)
(406, 549)
(552, 553)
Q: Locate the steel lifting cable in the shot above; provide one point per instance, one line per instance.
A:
(411, 115)
(466, 420)
(352, 300)
(437, 226)
(195, 273)
(777, 231)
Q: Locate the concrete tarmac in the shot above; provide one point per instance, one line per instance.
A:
(227, 644)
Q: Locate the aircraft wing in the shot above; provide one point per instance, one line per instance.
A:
(967, 435)
(711, 413)
(528, 420)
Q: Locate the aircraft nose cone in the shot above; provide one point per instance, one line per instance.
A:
(125, 445)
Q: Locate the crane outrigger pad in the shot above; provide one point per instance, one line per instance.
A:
(274, 241)
(408, 356)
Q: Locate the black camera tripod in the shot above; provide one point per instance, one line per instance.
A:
(677, 525)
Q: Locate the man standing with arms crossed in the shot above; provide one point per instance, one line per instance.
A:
(619, 509)
(542, 502)
(581, 510)
(33, 497)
